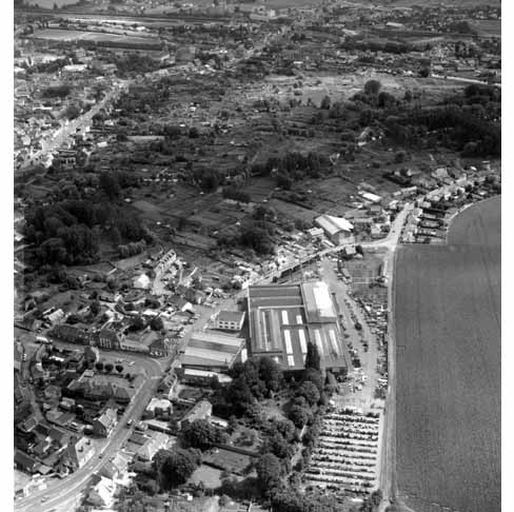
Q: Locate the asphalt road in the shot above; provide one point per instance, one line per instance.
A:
(69, 488)
(54, 141)
(63, 491)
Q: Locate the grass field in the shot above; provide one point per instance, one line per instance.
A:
(447, 314)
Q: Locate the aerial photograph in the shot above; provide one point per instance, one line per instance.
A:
(257, 256)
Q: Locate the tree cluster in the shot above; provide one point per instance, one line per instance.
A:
(235, 193)
(56, 91)
(293, 166)
(201, 434)
(65, 232)
(174, 467)
(253, 380)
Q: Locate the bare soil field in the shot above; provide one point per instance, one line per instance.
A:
(75, 35)
(447, 314)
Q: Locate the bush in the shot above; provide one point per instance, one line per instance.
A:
(236, 194)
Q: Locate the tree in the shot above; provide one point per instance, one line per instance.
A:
(386, 100)
(73, 319)
(72, 111)
(109, 184)
(376, 498)
(325, 103)
(310, 392)
(156, 323)
(263, 212)
(372, 87)
(200, 434)
(279, 446)
(314, 376)
(99, 366)
(119, 368)
(109, 367)
(312, 359)
(94, 307)
(424, 72)
(257, 238)
(239, 396)
(115, 236)
(268, 471)
(284, 428)
(299, 415)
(270, 373)
(284, 180)
(174, 467)
(137, 323)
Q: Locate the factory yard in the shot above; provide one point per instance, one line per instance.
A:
(448, 360)
(348, 452)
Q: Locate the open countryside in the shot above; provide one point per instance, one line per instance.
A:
(447, 302)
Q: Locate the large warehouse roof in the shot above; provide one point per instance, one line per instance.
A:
(208, 349)
(284, 318)
(318, 303)
(333, 225)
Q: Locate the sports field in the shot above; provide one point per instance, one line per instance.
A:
(447, 316)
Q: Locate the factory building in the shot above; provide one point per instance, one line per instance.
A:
(284, 318)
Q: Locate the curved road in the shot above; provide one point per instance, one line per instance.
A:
(62, 491)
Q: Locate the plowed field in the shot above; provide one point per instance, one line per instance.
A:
(447, 315)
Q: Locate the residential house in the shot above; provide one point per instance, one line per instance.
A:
(157, 441)
(440, 174)
(376, 232)
(25, 462)
(200, 411)
(315, 233)
(142, 282)
(71, 334)
(158, 407)
(108, 339)
(116, 467)
(101, 494)
(65, 159)
(67, 404)
(55, 317)
(59, 437)
(52, 392)
(165, 263)
(91, 355)
(97, 386)
(160, 347)
(375, 210)
(368, 196)
(79, 452)
(133, 346)
(29, 425)
(230, 320)
(349, 251)
(104, 425)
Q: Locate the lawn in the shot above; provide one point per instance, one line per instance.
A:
(210, 477)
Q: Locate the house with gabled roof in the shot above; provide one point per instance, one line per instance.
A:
(104, 424)
(159, 347)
